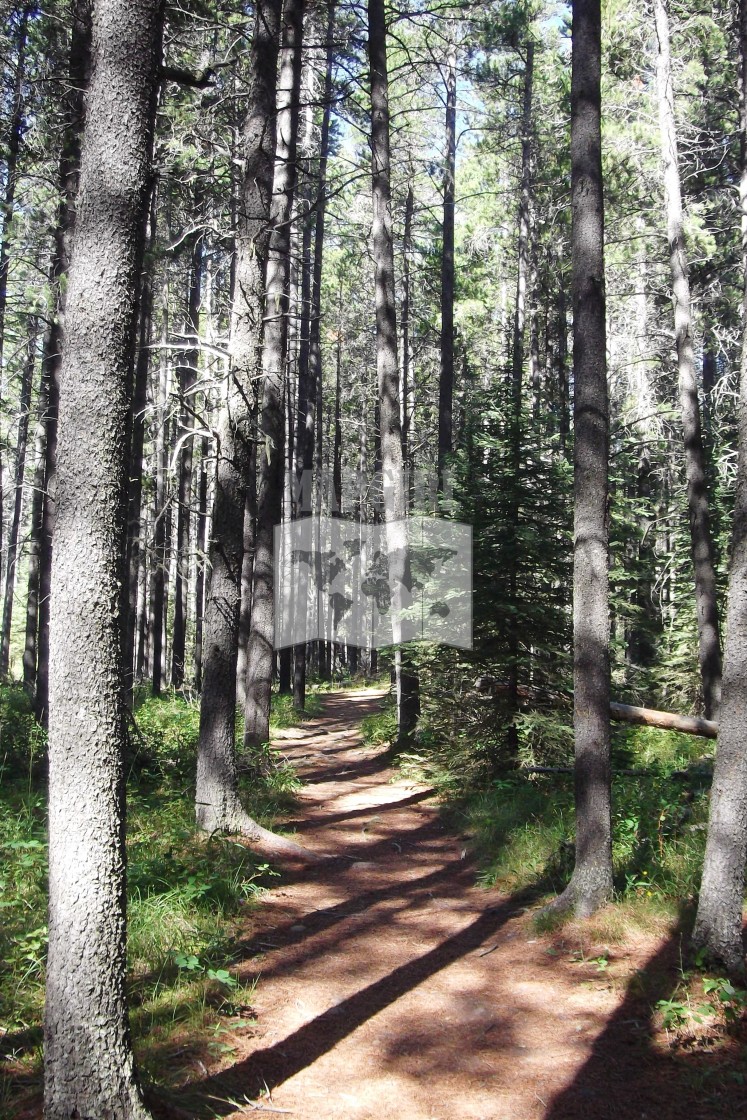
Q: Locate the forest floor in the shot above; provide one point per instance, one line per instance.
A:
(392, 987)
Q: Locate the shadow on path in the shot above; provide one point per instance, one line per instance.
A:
(268, 1068)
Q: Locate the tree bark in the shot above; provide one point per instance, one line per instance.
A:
(271, 428)
(406, 374)
(247, 572)
(591, 882)
(446, 379)
(89, 1067)
(15, 139)
(201, 543)
(32, 591)
(395, 501)
(187, 373)
(517, 377)
(718, 923)
(218, 801)
(73, 98)
(161, 520)
(15, 523)
(218, 805)
(137, 442)
(310, 356)
(709, 644)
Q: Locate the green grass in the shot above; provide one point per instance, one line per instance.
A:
(186, 892)
(522, 826)
(380, 728)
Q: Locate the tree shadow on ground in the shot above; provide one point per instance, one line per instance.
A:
(267, 1068)
(637, 1071)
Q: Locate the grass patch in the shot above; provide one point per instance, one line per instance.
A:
(380, 728)
(523, 830)
(186, 892)
(522, 827)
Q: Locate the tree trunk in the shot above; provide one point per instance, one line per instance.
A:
(15, 523)
(310, 356)
(89, 1067)
(406, 377)
(32, 592)
(187, 373)
(591, 883)
(718, 924)
(395, 503)
(218, 805)
(270, 482)
(137, 442)
(709, 645)
(218, 802)
(247, 571)
(15, 139)
(201, 542)
(160, 511)
(74, 105)
(446, 380)
(517, 375)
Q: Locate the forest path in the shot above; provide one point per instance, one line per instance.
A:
(393, 988)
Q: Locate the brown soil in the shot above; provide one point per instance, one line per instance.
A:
(390, 986)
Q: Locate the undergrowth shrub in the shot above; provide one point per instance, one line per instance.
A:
(22, 741)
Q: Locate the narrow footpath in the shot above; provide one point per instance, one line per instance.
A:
(391, 987)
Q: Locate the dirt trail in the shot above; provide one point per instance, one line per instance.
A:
(392, 987)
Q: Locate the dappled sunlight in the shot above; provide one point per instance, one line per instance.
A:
(389, 984)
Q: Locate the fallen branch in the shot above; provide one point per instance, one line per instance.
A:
(621, 713)
(667, 721)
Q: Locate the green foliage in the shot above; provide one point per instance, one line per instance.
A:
(381, 727)
(22, 740)
(726, 1007)
(166, 737)
(186, 892)
(523, 827)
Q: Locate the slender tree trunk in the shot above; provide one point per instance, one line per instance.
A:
(591, 883)
(187, 373)
(137, 443)
(247, 570)
(32, 592)
(16, 127)
(562, 367)
(270, 481)
(446, 380)
(406, 303)
(74, 103)
(718, 924)
(395, 503)
(89, 1067)
(709, 645)
(161, 519)
(142, 633)
(15, 523)
(218, 805)
(310, 356)
(201, 543)
(517, 379)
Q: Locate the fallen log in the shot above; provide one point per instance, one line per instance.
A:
(667, 721)
(621, 713)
